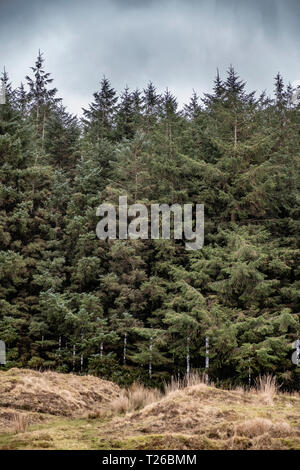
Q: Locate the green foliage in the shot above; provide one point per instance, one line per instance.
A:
(71, 302)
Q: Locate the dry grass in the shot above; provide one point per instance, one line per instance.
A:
(8, 418)
(54, 393)
(258, 426)
(97, 414)
(267, 384)
(190, 415)
(190, 380)
(134, 398)
(20, 423)
(266, 388)
(209, 417)
(262, 434)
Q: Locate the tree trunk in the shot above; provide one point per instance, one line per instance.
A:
(206, 358)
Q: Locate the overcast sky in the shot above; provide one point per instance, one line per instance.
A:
(175, 43)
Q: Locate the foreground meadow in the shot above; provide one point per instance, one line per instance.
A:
(48, 410)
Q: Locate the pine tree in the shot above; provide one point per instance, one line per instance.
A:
(126, 115)
(142, 309)
(62, 138)
(151, 105)
(192, 109)
(99, 119)
(41, 99)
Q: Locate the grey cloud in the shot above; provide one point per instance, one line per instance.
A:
(176, 43)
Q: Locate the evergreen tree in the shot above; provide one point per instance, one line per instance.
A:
(126, 115)
(62, 138)
(143, 309)
(42, 100)
(151, 106)
(99, 118)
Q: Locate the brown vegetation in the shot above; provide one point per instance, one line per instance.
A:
(54, 393)
(216, 418)
(189, 415)
(134, 398)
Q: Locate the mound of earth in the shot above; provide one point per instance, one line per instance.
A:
(48, 410)
(54, 393)
(204, 417)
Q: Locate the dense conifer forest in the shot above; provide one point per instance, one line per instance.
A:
(72, 302)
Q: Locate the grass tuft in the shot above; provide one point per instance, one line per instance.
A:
(134, 398)
(20, 423)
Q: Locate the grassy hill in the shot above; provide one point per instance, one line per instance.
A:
(48, 410)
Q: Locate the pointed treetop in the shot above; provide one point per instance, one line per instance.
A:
(38, 86)
(233, 83)
(192, 109)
